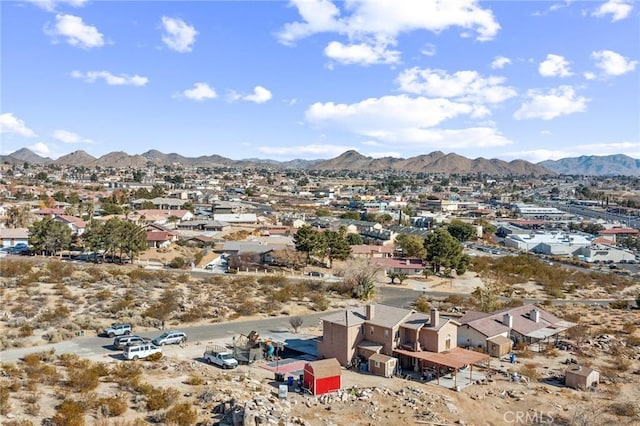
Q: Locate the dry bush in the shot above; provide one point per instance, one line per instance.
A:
(629, 327)
(84, 375)
(423, 304)
(624, 409)
(159, 399)
(272, 280)
(5, 394)
(56, 315)
(246, 308)
(69, 413)
(283, 295)
(39, 372)
(182, 414)
(113, 406)
(194, 380)
(529, 370)
(195, 313)
(25, 331)
(14, 268)
(320, 301)
(58, 270)
(125, 374)
(621, 363)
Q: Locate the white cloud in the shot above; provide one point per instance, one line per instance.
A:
(69, 137)
(612, 63)
(545, 132)
(372, 26)
(443, 138)
(499, 62)
(553, 7)
(589, 75)
(554, 66)
(387, 112)
(374, 154)
(537, 155)
(361, 53)
(9, 123)
(554, 103)
(429, 49)
(179, 35)
(260, 95)
(111, 79)
(76, 32)
(618, 9)
(316, 150)
(50, 5)
(200, 92)
(40, 148)
(466, 86)
(388, 18)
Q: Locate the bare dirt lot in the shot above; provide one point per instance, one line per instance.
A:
(48, 301)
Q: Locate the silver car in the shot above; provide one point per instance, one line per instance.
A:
(170, 338)
(123, 341)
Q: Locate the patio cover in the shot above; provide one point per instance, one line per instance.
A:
(455, 358)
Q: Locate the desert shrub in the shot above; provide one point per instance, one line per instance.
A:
(320, 301)
(39, 372)
(141, 275)
(619, 304)
(69, 413)
(182, 414)
(159, 399)
(104, 294)
(423, 304)
(5, 393)
(58, 270)
(272, 280)
(624, 409)
(126, 374)
(194, 380)
(283, 295)
(56, 315)
(25, 331)
(529, 370)
(454, 299)
(195, 313)
(629, 327)
(20, 422)
(113, 406)
(247, 308)
(633, 341)
(177, 262)
(14, 268)
(84, 376)
(621, 363)
(154, 357)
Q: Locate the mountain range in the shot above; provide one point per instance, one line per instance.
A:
(435, 162)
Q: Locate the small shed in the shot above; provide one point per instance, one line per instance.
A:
(382, 365)
(580, 377)
(322, 376)
(499, 346)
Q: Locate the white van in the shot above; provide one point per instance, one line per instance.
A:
(144, 350)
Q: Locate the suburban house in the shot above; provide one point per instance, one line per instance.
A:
(528, 324)
(396, 265)
(367, 251)
(159, 237)
(11, 236)
(159, 202)
(74, 223)
(160, 216)
(415, 340)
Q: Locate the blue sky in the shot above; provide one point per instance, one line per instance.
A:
(311, 79)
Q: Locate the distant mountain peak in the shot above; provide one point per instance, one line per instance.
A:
(595, 165)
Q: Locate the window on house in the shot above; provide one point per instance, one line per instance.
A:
(377, 364)
(386, 334)
(371, 330)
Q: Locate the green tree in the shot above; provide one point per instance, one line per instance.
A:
(109, 207)
(411, 245)
(19, 217)
(147, 205)
(335, 246)
(306, 240)
(461, 231)
(350, 215)
(49, 236)
(354, 239)
(323, 212)
(443, 250)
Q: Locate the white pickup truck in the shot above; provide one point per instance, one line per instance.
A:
(220, 356)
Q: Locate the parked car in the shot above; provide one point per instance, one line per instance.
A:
(129, 340)
(219, 356)
(170, 338)
(144, 350)
(118, 329)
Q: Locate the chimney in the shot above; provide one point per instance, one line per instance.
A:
(435, 317)
(370, 311)
(507, 320)
(534, 315)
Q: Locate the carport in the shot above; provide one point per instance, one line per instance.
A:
(455, 359)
